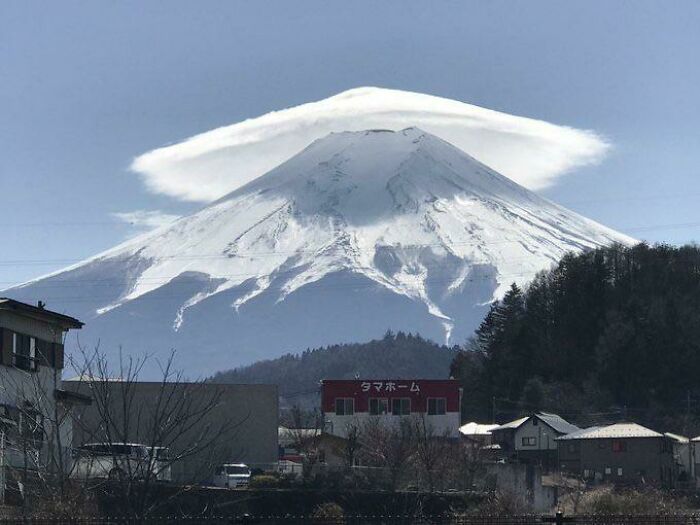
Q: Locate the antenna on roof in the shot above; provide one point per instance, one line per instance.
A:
(41, 305)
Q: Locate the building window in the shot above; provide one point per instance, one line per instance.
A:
(31, 425)
(344, 406)
(401, 406)
(529, 441)
(535, 422)
(619, 471)
(572, 447)
(437, 406)
(586, 473)
(619, 446)
(24, 351)
(378, 406)
(608, 471)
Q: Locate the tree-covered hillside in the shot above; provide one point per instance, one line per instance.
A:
(398, 356)
(611, 330)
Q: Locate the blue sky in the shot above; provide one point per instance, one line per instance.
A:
(87, 86)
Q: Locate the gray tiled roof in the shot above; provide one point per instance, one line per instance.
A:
(558, 423)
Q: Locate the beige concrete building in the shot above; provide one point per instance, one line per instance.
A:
(225, 423)
(35, 410)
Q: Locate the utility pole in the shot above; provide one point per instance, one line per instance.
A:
(2, 467)
(687, 412)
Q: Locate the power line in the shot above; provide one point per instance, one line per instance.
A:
(233, 254)
(643, 198)
(118, 281)
(317, 284)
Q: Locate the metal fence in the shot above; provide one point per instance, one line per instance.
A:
(370, 520)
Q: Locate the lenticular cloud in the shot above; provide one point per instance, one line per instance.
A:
(207, 166)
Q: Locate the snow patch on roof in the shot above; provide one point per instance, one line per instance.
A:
(476, 429)
(677, 437)
(512, 424)
(616, 431)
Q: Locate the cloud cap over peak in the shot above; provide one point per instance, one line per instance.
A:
(209, 165)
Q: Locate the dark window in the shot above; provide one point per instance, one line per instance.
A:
(32, 426)
(401, 406)
(24, 351)
(572, 447)
(619, 446)
(378, 406)
(344, 406)
(160, 453)
(535, 421)
(10, 418)
(529, 441)
(436, 406)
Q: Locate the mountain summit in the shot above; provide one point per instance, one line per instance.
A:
(359, 233)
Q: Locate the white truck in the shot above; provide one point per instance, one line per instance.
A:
(231, 475)
(116, 461)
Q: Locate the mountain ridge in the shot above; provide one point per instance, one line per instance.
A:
(396, 355)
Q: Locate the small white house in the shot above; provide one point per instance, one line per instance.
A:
(532, 439)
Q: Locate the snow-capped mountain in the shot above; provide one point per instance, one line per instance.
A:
(359, 233)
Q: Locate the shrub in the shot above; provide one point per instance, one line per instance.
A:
(288, 479)
(606, 500)
(503, 503)
(264, 481)
(329, 513)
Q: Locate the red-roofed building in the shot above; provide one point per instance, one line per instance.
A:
(345, 402)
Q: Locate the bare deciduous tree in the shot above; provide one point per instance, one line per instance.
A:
(389, 447)
(306, 427)
(431, 451)
(467, 460)
(179, 423)
(351, 446)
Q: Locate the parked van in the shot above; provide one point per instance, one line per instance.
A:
(231, 475)
(118, 460)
